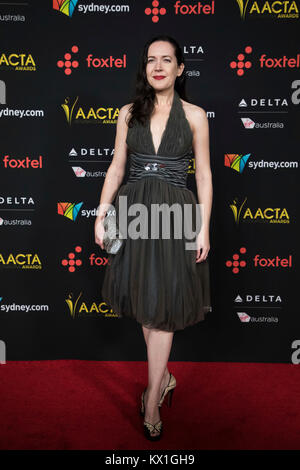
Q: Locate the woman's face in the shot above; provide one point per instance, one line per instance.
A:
(161, 62)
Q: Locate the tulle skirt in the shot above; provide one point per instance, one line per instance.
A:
(156, 281)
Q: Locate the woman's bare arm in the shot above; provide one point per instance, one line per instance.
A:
(203, 173)
(116, 169)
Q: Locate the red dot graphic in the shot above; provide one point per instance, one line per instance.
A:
(67, 56)
(233, 64)
(248, 49)
(71, 255)
(148, 11)
(240, 65)
(64, 262)
(241, 57)
(240, 72)
(243, 250)
(78, 249)
(68, 63)
(78, 262)
(60, 63)
(248, 65)
(71, 269)
(75, 49)
(68, 71)
(75, 64)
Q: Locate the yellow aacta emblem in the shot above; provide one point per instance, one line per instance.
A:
(67, 110)
(71, 305)
(243, 7)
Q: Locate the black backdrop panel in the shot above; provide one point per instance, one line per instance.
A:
(57, 141)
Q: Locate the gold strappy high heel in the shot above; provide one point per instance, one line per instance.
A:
(168, 389)
(148, 428)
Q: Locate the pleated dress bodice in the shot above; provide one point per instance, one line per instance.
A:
(176, 139)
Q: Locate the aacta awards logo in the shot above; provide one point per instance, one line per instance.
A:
(91, 308)
(20, 261)
(277, 9)
(91, 115)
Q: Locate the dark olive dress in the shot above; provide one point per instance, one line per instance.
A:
(156, 281)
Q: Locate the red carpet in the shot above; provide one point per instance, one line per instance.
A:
(72, 404)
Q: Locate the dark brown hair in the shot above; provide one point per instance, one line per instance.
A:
(143, 101)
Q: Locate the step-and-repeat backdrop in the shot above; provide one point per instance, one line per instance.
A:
(66, 68)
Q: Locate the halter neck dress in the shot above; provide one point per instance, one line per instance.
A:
(156, 281)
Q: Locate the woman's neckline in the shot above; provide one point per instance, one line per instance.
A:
(156, 153)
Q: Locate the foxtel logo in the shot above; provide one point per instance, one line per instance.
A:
(237, 262)
(22, 163)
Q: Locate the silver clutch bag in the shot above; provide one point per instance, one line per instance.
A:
(112, 238)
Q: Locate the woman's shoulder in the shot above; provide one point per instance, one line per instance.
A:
(195, 114)
(125, 113)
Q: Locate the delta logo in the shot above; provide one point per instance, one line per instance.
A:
(242, 63)
(20, 261)
(91, 115)
(68, 63)
(19, 62)
(238, 261)
(262, 9)
(271, 215)
(83, 309)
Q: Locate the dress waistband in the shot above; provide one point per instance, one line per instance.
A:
(171, 169)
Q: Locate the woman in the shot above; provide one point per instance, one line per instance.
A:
(156, 281)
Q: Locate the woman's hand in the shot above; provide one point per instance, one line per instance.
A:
(202, 243)
(99, 232)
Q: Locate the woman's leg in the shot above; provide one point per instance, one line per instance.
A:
(158, 350)
(166, 375)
